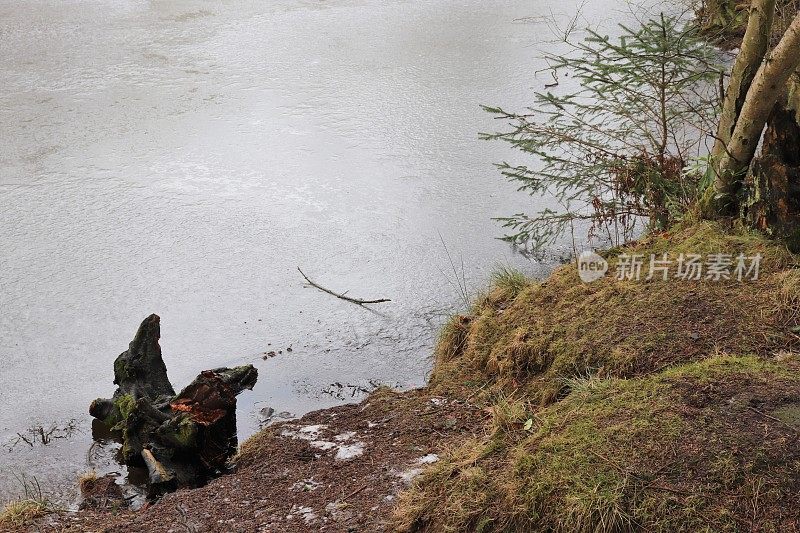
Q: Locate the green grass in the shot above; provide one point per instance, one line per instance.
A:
(623, 455)
(509, 281)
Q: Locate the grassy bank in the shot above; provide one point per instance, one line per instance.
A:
(533, 337)
(626, 405)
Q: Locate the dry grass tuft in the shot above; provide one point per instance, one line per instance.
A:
(18, 513)
(86, 480)
(31, 505)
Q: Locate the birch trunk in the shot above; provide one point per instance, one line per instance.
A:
(743, 121)
(754, 47)
(769, 84)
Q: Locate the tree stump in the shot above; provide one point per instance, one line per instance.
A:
(772, 203)
(182, 439)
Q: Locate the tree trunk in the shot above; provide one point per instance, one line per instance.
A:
(735, 150)
(769, 84)
(754, 47)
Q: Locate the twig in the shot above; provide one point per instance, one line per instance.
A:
(460, 284)
(355, 492)
(724, 146)
(615, 465)
(185, 519)
(668, 489)
(468, 398)
(29, 443)
(776, 419)
(342, 296)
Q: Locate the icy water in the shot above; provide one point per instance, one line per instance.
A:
(184, 158)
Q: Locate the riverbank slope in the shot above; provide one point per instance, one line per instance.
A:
(554, 405)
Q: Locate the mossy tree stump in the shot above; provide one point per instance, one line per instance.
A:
(183, 439)
(773, 181)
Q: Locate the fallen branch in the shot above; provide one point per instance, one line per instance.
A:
(342, 296)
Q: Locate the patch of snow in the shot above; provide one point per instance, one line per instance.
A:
(323, 444)
(409, 475)
(348, 451)
(306, 485)
(312, 430)
(304, 432)
(307, 513)
(313, 433)
(345, 436)
(438, 401)
(339, 511)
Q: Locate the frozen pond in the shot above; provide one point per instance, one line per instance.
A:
(184, 158)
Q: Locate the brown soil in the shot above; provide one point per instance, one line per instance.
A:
(286, 483)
